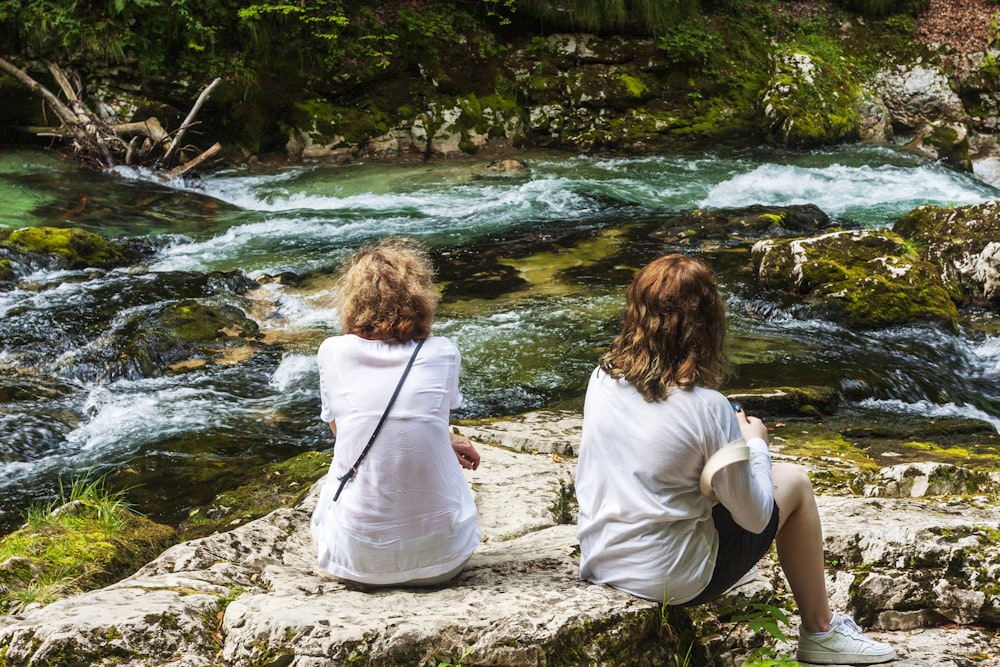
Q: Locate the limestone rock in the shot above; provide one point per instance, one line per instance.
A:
(916, 95)
(809, 102)
(252, 596)
(861, 279)
(916, 480)
(921, 100)
(964, 243)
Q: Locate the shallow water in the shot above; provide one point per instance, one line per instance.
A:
(531, 344)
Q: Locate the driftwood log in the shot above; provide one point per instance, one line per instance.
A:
(107, 145)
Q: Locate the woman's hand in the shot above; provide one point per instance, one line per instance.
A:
(467, 455)
(752, 427)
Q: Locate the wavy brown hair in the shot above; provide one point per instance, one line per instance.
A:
(386, 292)
(674, 329)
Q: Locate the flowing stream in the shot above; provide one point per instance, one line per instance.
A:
(528, 344)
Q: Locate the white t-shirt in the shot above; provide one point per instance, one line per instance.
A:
(408, 513)
(644, 526)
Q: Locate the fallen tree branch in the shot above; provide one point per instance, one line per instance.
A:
(68, 90)
(208, 153)
(65, 114)
(97, 141)
(190, 117)
(147, 128)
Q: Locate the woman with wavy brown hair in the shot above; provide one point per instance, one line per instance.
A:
(396, 508)
(653, 418)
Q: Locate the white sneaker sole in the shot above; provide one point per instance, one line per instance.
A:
(844, 658)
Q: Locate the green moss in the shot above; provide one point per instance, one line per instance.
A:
(7, 272)
(835, 460)
(951, 146)
(74, 248)
(491, 116)
(282, 484)
(814, 92)
(194, 321)
(983, 457)
(335, 124)
(860, 279)
(91, 543)
(634, 86)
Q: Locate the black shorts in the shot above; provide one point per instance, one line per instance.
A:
(739, 550)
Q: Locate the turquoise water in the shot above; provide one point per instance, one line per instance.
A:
(529, 345)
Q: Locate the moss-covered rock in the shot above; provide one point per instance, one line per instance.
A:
(74, 549)
(925, 478)
(168, 337)
(950, 143)
(281, 484)
(738, 226)
(811, 100)
(467, 124)
(964, 243)
(55, 247)
(862, 279)
(186, 329)
(786, 402)
(338, 125)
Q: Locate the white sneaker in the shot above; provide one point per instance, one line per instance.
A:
(842, 644)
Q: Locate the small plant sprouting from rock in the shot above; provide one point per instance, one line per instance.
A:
(564, 507)
(761, 616)
(465, 654)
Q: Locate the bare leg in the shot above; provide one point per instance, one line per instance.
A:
(800, 544)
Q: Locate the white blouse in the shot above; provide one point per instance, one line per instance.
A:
(408, 513)
(644, 526)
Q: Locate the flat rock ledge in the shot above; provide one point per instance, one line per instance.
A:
(922, 572)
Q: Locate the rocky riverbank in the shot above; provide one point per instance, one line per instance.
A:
(912, 554)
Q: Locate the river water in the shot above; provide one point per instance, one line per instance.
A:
(528, 342)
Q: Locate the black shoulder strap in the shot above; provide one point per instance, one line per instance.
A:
(354, 469)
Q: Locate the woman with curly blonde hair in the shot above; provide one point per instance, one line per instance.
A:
(652, 419)
(396, 508)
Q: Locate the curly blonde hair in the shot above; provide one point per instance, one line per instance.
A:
(386, 292)
(674, 329)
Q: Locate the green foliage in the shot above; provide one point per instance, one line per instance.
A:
(156, 36)
(502, 10)
(762, 617)
(465, 654)
(312, 30)
(651, 17)
(93, 539)
(991, 66)
(690, 42)
(993, 27)
(686, 660)
(761, 658)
